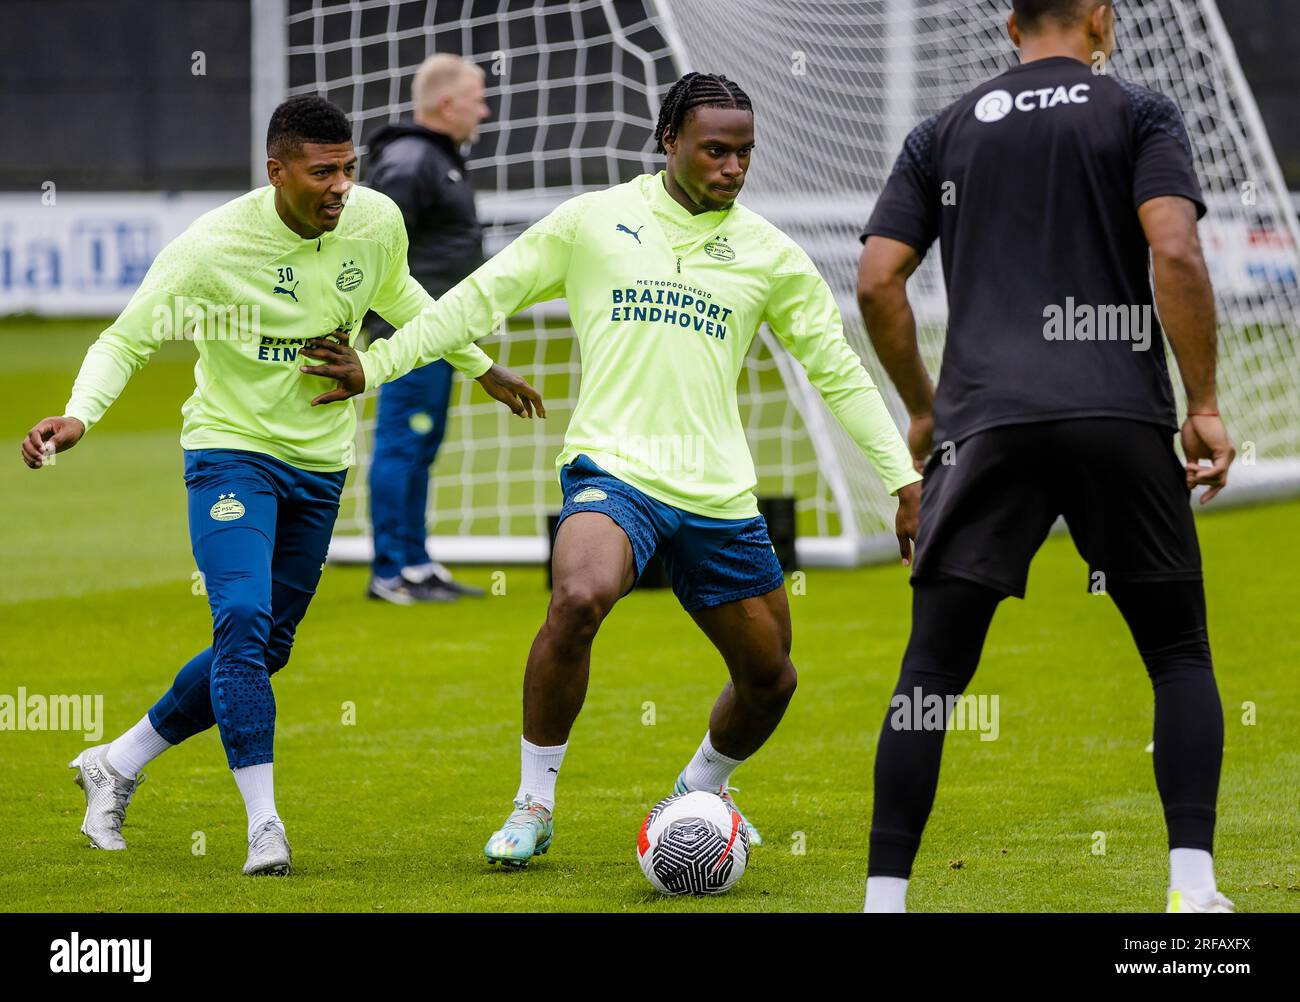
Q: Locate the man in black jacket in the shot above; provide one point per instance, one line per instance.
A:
(420, 167)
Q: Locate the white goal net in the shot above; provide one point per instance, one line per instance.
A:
(575, 89)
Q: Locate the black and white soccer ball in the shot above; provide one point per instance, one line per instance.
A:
(693, 843)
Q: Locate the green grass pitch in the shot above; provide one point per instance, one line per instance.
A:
(390, 813)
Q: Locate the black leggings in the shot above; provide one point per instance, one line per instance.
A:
(950, 619)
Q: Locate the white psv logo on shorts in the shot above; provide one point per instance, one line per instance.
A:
(227, 508)
(590, 494)
(998, 104)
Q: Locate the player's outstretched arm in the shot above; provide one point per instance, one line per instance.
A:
(883, 272)
(401, 299)
(510, 388)
(117, 354)
(532, 269)
(342, 363)
(54, 434)
(338, 361)
(802, 312)
(1185, 301)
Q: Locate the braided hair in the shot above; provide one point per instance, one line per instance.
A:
(697, 90)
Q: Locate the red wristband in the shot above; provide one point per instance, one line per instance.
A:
(1202, 413)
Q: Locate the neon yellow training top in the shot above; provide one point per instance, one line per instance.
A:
(249, 291)
(665, 305)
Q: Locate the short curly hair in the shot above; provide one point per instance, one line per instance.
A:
(305, 119)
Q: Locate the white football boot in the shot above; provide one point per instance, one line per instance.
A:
(268, 851)
(108, 793)
(1181, 901)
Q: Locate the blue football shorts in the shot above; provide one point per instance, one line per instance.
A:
(710, 561)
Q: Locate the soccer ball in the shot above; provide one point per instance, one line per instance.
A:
(693, 843)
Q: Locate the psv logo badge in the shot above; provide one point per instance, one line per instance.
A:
(720, 250)
(227, 508)
(349, 278)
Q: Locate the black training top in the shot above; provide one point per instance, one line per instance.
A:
(1031, 183)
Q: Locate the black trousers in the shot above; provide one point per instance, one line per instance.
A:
(1121, 491)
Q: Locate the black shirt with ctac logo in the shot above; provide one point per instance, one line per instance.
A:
(1031, 184)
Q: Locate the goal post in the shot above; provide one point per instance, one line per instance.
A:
(575, 89)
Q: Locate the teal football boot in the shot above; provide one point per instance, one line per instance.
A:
(527, 833)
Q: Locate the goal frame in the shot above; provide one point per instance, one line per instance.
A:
(850, 546)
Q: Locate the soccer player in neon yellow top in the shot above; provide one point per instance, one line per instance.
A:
(667, 280)
(250, 282)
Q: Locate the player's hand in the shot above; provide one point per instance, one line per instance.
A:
(54, 434)
(1205, 437)
(907, 520)
(502, 384)
(340, 363)
(920, 440)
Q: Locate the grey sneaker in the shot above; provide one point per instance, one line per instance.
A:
(268, 851)
(429, 591)
(108, 793)
(436, 575)
(394, 592)
(403, 592)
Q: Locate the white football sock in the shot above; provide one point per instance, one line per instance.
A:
(538, 771)
(1192, 871)
(886, 894)
(136, 748)
(709, 769)
(257, 784)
